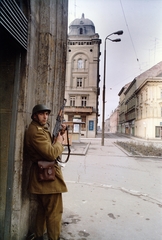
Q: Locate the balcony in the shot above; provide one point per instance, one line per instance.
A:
(86, 109)
(80, 70)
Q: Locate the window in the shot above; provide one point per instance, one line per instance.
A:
(141, 98)
(91, 125)
(81, 30)
(70, 117)
(72, 101)
(146, 94)
(137, 114)
(84, 101)
(83, 126)
(79, 82)
(157, 131)
(80, 64)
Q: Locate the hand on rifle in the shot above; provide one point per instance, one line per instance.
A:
(60, 138)
(63, 128)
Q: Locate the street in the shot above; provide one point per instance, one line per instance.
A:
(112, 196)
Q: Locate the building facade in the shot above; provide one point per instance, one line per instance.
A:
(82, 75)
(114, 121)
(32, 71)
(107, 125)
(122, 109)
(140, 108)
(148, 124)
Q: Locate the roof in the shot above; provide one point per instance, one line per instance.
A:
(155, 71)
(124, 88)
(82, 27)
(82, 21)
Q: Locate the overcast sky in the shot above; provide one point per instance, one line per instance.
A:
(141, 43)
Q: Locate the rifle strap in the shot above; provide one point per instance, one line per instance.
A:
(69, 150)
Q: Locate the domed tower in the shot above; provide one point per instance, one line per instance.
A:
(82, 26)
(82, 75)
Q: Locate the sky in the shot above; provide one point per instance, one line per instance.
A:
(141, 43)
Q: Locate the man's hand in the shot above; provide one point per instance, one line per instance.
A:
(59, 138)
(64, 127)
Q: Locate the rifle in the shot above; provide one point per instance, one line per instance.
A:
(58, 128)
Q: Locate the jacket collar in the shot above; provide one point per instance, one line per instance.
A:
(38, 125)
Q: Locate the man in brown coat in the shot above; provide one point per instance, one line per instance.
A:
(49, 193)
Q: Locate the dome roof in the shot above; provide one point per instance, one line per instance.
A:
(82, 21)
(82, 26)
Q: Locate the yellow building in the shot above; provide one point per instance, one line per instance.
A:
(141, 115)
(148, 122)
(82, 75)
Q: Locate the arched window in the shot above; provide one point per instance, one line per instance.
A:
(81, 30)
(80, 63)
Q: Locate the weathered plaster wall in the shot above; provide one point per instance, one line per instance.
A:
(42, 81)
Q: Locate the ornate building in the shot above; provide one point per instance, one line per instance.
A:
(82, 75)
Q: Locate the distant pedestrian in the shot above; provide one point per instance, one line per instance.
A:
(39, 147)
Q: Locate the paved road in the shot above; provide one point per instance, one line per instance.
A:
(112, 135)
(112, 196)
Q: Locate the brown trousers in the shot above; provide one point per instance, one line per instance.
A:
(49, 215)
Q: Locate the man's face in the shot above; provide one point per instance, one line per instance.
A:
(42, 117)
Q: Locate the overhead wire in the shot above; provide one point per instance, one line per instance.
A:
(130, 35)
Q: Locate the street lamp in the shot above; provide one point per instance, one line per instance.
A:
(103, 97)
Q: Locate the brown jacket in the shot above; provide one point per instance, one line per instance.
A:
(39, 146)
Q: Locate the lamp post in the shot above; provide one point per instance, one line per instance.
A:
(104, 76)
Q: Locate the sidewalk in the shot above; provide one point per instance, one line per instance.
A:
(81, 148)
(110, 195)
(77, 148)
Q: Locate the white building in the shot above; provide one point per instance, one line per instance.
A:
(82, 75)
(148, 122)
(140, 105)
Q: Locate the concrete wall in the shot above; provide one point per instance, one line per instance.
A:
(40, 79)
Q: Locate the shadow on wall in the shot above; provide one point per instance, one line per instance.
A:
(30, 199)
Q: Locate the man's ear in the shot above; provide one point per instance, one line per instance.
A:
(34, 116)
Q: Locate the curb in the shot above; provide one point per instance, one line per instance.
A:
(137, 156)
(83, 152)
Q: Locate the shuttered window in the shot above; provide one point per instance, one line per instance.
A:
(14, 21)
